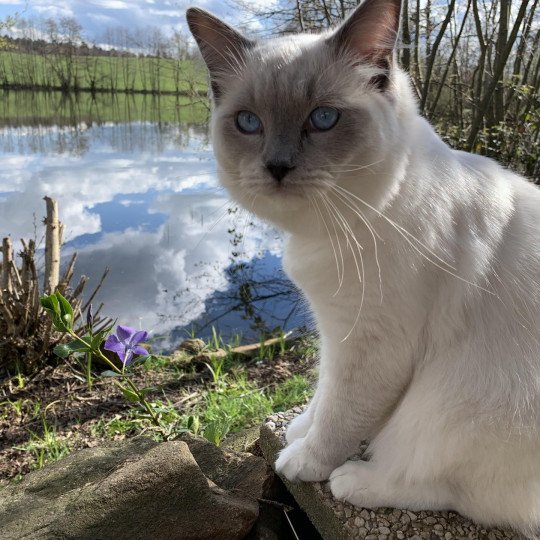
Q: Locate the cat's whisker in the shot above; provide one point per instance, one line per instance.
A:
(332, 221)
(321, 216)
(370, 228)
(359, 268)
(356, 166)
(407, 236)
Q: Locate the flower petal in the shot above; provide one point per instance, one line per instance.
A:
(138, 337)
(124, 333)
(140, 350)
(112, 343)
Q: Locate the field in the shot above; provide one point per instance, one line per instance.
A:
(101, 73)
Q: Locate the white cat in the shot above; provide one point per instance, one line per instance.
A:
(421, 265)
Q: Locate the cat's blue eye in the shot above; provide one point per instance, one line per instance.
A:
(324, 118)
(248, 122)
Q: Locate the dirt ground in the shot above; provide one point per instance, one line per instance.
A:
(54, 412)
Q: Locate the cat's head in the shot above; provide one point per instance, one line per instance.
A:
(298, 117)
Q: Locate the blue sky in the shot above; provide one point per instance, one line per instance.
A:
(96, 15)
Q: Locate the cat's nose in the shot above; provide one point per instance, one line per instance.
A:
(279, 169)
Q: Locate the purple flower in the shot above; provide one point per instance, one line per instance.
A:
(126, 343)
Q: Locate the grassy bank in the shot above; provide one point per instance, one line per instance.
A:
(101, 74)
(214, 393)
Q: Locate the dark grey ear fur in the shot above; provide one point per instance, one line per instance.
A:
(222, 47)
(370, 34)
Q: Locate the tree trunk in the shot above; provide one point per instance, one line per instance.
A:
(486, 101)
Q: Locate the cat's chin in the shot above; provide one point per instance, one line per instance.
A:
(287, 209)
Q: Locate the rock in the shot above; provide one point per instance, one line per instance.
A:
(192, 346)
(138, 489)
(242, 441)
(242, 472)
(337, 520)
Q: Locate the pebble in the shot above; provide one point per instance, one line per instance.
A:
(271, 425)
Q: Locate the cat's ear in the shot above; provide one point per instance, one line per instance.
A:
(370, 34)
(222, 47)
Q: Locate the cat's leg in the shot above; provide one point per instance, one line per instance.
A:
(351, 404)
(300, 425)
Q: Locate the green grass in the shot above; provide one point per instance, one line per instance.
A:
(47, 447)
(129, 74)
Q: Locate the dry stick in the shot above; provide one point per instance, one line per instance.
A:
(7, 259)
(52, 247)
(68, 274)
(89, 301)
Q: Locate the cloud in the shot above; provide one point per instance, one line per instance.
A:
(96, 15)
(157, 221)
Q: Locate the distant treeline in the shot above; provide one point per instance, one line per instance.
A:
(43, 47)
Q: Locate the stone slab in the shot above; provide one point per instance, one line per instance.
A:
(336, 520)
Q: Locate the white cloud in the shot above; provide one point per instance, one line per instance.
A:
(96, 15)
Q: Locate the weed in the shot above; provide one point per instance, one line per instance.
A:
(45, 448)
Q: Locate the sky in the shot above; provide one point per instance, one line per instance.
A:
(96, 15)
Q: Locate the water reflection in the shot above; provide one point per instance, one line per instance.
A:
(140, 196)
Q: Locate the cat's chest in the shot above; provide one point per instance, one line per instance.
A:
(319, 269)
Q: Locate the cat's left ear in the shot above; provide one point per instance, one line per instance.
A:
(370, 34)
(222, 47)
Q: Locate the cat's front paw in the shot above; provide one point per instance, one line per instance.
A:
(354, 482)
(298, 427)
(297, 462)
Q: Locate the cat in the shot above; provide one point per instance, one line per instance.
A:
(421, 265)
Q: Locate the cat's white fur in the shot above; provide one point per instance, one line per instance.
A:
(430, 344)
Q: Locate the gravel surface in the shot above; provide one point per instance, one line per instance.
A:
(381, 524)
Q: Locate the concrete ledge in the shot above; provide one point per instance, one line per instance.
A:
(336, 520)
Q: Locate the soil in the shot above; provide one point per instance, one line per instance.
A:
(72, 410)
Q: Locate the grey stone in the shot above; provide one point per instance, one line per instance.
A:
(241, 472)
(137, 490)
(191, 345)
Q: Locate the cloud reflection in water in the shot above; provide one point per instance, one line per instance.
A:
(148, 212)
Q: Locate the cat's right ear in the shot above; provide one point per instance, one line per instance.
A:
(222, 47)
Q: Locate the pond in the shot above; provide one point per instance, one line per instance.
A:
(136, 183)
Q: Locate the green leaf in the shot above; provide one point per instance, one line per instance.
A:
(50, 304)
(65, 349)
(110, 373)
(129, 394)
(99, 338)
(65, 309)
